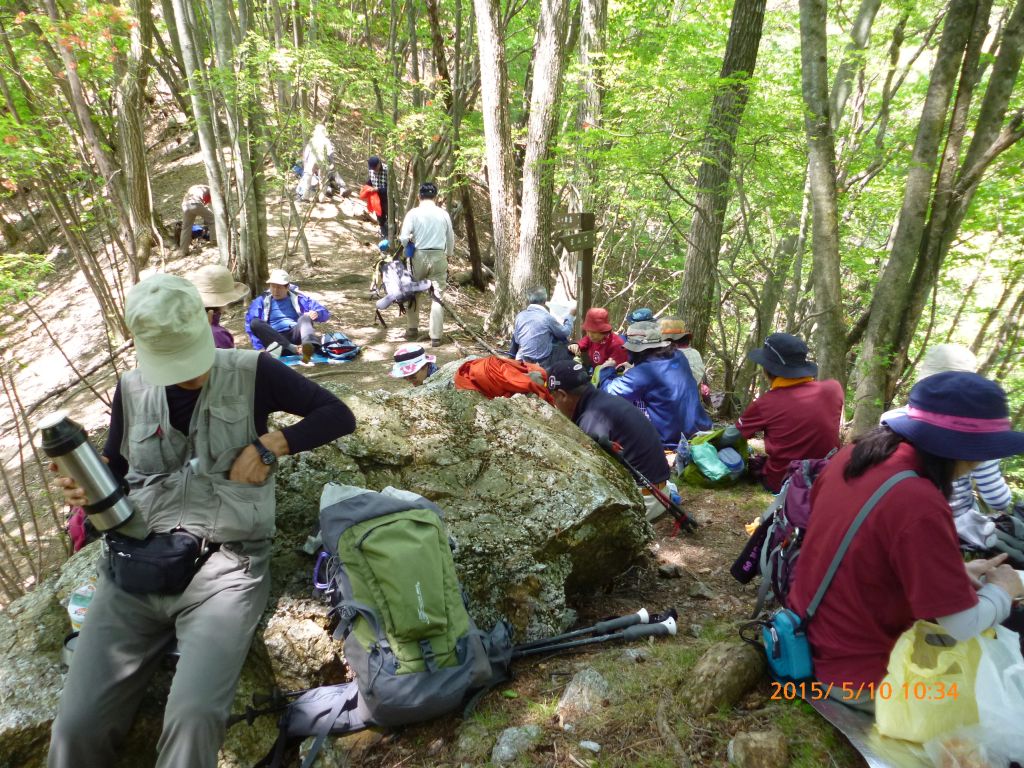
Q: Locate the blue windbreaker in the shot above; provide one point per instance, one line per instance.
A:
(668, 392)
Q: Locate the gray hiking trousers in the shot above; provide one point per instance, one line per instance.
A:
(123, 640)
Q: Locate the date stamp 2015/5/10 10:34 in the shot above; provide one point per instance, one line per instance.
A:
(817, 691)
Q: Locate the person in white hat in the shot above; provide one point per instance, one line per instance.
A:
(189, 436)
(413, 364)
(217, 288)
(284, 316)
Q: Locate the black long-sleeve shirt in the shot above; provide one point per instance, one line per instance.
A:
(278, 388)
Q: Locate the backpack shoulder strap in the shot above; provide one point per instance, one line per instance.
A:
(844, 545)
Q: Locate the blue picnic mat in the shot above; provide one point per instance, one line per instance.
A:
(316, 359)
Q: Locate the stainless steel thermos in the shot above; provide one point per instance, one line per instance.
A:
(66, 442)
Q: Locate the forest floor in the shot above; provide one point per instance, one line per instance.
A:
(710, 603)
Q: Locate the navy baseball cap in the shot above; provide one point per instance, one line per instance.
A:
(566, 375)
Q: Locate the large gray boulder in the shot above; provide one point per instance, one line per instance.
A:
(538, 513)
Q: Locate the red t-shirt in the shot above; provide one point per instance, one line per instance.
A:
(799, 422)
(599, 351)
(903, 564)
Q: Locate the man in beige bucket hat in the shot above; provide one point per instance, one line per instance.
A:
(189, 436)
(283, 315)
(217, 288)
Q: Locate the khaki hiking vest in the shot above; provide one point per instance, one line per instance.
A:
(181, 481)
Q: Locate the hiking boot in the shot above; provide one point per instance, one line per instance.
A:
(436, 342)
(307, 352)
(412, 334)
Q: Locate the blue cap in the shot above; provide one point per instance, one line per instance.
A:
(384, 245)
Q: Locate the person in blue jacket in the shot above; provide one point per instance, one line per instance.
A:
(284, 315)
(659, 382)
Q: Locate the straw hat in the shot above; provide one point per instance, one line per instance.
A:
(217, 286)
(173, 340)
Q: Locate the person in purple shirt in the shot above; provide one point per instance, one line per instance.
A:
(217, 287)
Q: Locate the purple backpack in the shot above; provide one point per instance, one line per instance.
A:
(774, 547)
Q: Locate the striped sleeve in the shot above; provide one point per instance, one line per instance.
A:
(992, 488)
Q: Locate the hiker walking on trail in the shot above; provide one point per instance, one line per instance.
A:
(799, 416)
(599, 343)
(284, 315)
(317, 164)
(660, 381)
(378, 179)
(430, 229)
(413, 364)
(537, 336)
(195, 205)
(606, 417)
(904, 563)
(189, 436)
(217, 288)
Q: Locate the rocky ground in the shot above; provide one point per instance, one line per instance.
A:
(608, 707)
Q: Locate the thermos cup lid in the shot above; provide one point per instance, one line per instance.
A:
(60, 434)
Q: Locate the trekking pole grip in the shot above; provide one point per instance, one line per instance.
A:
(640, 617)
(666, 627)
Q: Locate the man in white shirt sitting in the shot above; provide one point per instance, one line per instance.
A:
(430, 229)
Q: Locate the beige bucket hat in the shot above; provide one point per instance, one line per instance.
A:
(173, 340)
(217, 285)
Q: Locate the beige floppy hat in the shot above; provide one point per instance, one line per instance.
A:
(217, 286)
(173, 340)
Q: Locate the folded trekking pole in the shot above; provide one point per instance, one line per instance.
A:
(685, 522)
(635, 632)
(601, 628)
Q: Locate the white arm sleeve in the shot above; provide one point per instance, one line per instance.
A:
(993, 607)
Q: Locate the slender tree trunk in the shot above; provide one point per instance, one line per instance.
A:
(891, 291)
(830, 334)
(696, 299)
(202, 113)
(498, 152)
(129, 100)
(853, 59)
(533, 262)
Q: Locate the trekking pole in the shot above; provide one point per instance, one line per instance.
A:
(601, 628)
(686, 522)
(635, 632)
(604, 627)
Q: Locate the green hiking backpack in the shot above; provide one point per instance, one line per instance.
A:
(409, 640)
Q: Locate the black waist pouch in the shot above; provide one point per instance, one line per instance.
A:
(160, 564)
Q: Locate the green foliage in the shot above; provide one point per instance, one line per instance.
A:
(20, 273)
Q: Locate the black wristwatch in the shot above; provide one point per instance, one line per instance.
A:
(267, 456)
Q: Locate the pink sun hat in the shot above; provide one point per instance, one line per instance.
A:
(409, 358)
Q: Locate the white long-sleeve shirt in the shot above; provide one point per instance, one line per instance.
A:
(429, 227)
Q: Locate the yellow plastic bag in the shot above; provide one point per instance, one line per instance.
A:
(929, 689)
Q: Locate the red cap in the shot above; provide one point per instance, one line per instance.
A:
(597, 320)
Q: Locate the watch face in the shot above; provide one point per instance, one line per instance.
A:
(268, 458)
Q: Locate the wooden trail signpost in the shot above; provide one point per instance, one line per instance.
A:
(576, 234)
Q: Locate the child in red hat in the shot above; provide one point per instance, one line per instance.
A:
(599, 343)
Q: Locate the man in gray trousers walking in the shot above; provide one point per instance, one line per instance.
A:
(189, 435)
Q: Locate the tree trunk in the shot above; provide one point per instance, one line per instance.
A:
(891, 291)
(532, 264)
(696, 299)
(830, 334)
(501, 181)
(129, 100)
(853, 59)
(202, 105)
